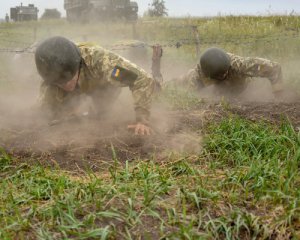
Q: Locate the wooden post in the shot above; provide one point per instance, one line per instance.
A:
(156, 66)
(197, 39)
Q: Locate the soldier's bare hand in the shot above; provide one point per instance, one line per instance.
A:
(140, 129)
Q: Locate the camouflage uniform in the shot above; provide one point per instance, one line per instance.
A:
(239, 74)
(102, 74)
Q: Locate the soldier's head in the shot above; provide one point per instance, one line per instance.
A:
(215, 63)
(58, 62)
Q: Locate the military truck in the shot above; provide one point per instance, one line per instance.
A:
(51, 14)
(24, 13)
(88, 10)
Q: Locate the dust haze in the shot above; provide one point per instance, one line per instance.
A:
(25, 129)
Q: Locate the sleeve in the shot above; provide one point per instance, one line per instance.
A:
(259, 67)
(120, 72)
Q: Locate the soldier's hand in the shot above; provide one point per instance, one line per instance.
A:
(140, 129)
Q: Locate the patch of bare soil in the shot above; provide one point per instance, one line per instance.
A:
(91, 144)
(94, 145)
(271, 112)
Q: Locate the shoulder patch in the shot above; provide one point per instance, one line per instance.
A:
(123, 75)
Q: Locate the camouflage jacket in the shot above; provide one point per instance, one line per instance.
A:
(102, 71)
(241, 71)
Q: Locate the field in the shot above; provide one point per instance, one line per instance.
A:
(213, 169)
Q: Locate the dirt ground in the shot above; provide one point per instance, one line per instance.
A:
(90, 144)
(271, 112)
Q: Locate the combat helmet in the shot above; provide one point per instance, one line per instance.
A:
(57, 60)
(214, 63)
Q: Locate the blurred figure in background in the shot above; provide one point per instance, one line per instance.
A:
(6, 18)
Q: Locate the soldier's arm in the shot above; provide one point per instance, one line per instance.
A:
(142, 90)
(121, 72)
(260, 67)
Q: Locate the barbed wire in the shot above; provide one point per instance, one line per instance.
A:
(178, 43)
(15, 41)
(16, 34)
(175, 43)
(16, 51)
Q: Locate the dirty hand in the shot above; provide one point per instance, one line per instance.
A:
(140, 129)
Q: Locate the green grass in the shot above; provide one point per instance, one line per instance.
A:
(244, 185)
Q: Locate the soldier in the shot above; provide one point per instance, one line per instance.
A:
(6, 18)
(231, 73)
(69, 70)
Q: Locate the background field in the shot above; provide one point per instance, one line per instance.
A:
(212, 170)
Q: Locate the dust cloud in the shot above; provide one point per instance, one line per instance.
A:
(25, 130)
(19, 90)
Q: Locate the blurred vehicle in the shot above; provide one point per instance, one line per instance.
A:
(89, 10)
(51, 14)
(24, 13)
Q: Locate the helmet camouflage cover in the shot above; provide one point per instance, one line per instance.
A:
(57, 60)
